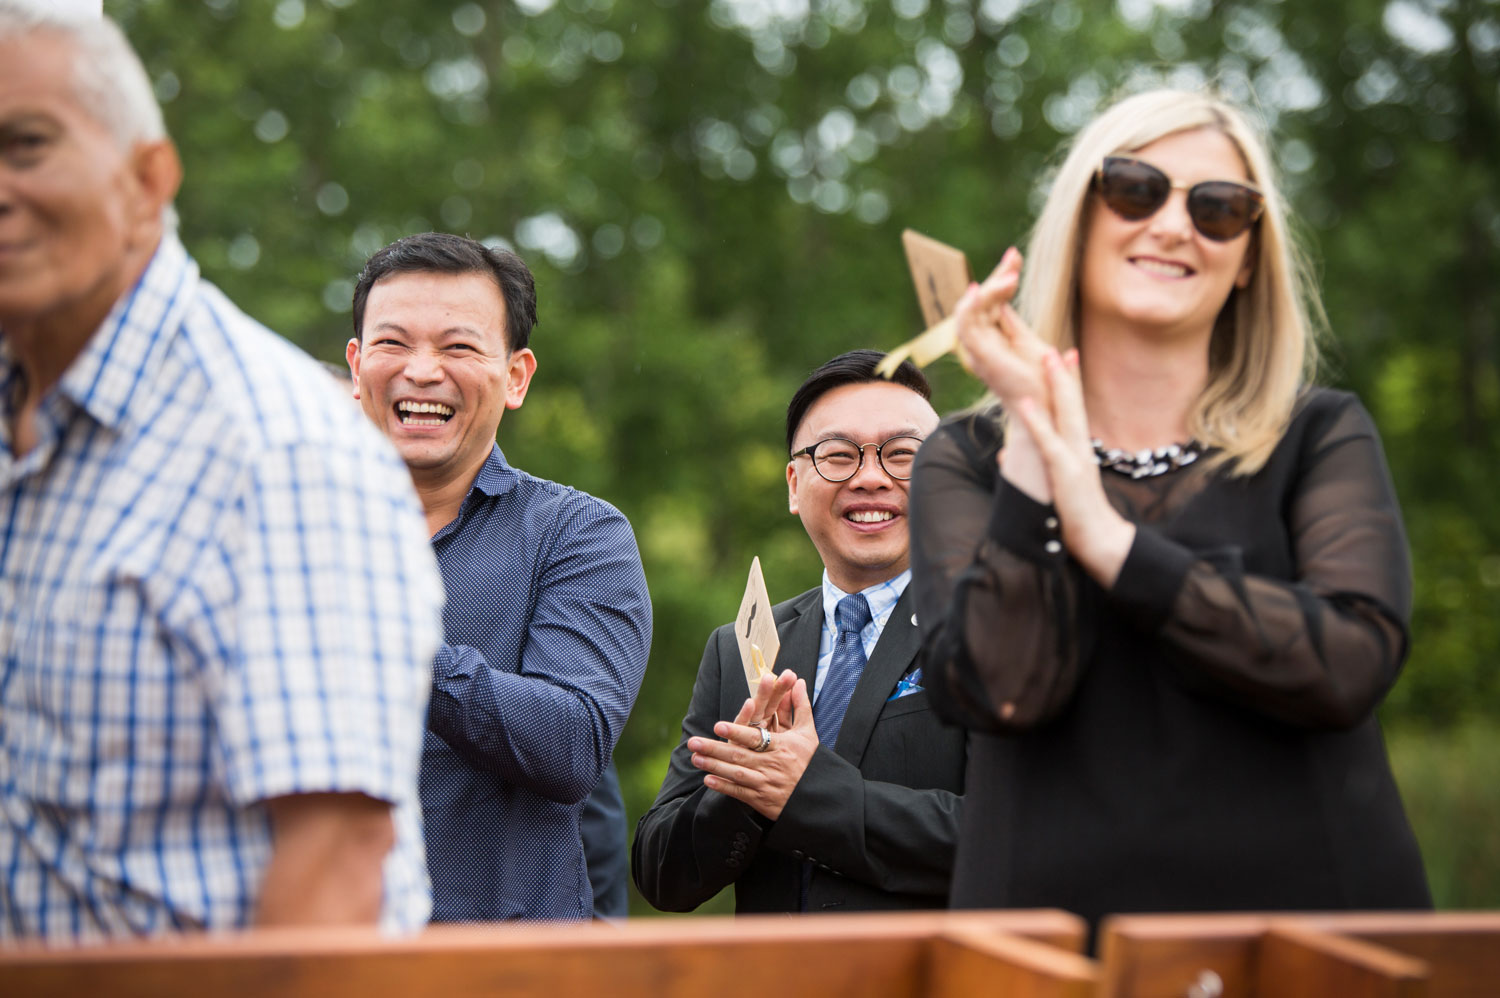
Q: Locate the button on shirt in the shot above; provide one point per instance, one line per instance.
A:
(215, 589)
(548, 627)
(882, 599)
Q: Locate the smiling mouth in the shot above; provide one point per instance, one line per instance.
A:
(423, 413)
(1163, 267)
(870, 516)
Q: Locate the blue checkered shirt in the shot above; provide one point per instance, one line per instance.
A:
(882, 598)
(215, 589)
(547, 630)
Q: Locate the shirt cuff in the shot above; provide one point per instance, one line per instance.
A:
(1151, 578)
(444, 712)
(1023, 526)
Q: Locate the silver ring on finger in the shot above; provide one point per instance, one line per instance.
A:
(765, 741)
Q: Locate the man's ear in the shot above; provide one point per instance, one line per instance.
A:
(791, 486)
(522, 366)
(351, 354)
(157, 172)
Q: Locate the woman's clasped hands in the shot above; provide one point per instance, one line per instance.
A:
(1049, 451)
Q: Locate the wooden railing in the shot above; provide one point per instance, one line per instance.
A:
(946, 955)
(1018, 954)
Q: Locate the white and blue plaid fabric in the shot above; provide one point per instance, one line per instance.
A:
(882, 599)
(216, 588)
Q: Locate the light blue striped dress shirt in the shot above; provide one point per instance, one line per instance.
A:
(882, 598)
(215, 589)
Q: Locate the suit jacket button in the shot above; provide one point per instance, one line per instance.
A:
(798, 854)
(741, 838)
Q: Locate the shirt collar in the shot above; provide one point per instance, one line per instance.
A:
(130, 345)
(495, 477)
(882, 598)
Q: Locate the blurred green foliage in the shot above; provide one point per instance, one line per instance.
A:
(711, 192)
(1450, 780)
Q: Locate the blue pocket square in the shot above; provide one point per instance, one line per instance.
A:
(909, 684)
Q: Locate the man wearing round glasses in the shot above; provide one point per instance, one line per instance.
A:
(838, 790)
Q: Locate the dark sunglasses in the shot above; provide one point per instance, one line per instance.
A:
(1135, 190)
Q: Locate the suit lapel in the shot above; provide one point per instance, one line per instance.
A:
(800, 635)
(893, 656)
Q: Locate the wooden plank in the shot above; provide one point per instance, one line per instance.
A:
(1164, 955)
(1462, 948)
(1060, 929)
(1167, 956)
(1295, 961)
(500, 967)
(966, 963)
(827, 956)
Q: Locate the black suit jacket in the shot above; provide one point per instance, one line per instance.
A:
(877, 818)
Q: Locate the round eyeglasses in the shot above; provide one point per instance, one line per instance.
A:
(839, 460)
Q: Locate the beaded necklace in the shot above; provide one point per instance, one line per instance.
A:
(1147, 463)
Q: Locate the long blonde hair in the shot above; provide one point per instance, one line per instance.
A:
(1263, 348)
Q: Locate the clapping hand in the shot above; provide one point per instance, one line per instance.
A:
(999, 348)
(739, 767)
(765, 707)
(1049, 451)
(1093, 531)
(994, 343)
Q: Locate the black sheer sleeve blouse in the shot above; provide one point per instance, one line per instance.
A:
(1224, 685)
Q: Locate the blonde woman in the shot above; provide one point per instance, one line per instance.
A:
(1164, 580)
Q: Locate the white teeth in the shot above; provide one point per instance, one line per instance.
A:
(870, 516)
(1163, 268)
(409, 410)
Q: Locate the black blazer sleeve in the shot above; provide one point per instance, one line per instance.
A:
(888, 836)
(693, 842)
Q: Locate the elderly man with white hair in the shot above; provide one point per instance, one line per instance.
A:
(218, 607)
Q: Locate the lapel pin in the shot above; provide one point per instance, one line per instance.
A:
(914, 620)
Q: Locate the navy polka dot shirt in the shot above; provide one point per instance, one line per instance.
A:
(547, 630)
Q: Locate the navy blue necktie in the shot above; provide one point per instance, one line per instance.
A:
(850, 618)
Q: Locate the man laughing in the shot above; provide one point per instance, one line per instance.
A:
(548, 622)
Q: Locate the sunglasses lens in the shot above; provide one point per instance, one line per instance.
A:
(1132, 189)
(1222, 210)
